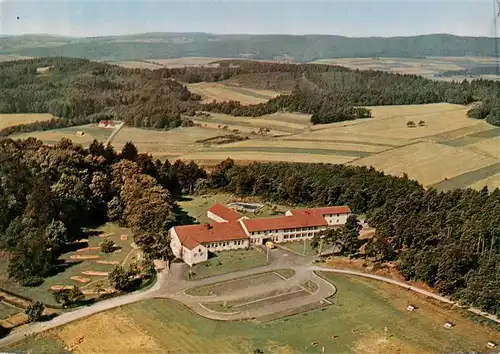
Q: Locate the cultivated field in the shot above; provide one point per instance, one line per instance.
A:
(426, 67)
(354, 323)
(211, 91)
(90, 132)
(138, 65)
(7, 120)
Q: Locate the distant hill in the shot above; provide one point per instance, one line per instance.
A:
(297, 48)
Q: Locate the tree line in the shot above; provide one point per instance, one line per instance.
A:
(448, 240)
(49, 194)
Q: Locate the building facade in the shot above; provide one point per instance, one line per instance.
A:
(192, 243)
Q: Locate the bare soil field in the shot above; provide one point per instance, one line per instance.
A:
(492, 182)
(7, 120)
(211, 91)
(429, 163)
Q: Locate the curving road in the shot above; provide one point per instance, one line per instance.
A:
(172, 285)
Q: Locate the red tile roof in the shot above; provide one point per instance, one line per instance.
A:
(284, 222)
(224, 212)
(323, 211)
(191, 236)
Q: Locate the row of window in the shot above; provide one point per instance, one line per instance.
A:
(224, 244)
(293, 236)
(286, 230)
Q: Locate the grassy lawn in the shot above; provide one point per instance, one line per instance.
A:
(227, 262)
(354, 323)
(196, 207)
(285, 273)
(310, 286)
(74, 267)
(298, 246)
(43, 344)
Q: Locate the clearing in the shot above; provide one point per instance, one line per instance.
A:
(164, 325)
(210, 91)
(298, 247)
(7, 120)
(51, 137)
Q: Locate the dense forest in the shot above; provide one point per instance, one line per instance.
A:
(81, 91)
(300, 48)
(48, 194)
(448, 240)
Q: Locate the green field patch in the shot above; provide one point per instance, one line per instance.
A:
(250, 93)
(298, 151)
(227, 262)
(468, 178)
(343, 142)
(230, 286)
(487, 134)
(8, 310)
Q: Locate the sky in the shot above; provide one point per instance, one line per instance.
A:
(348, 18)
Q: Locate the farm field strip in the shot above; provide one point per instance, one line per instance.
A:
(428, 163)
(492, 182)
(10, 119)
(210, 91)
(217, 156)
(215, 126)
(291, 150)
(305, 144)
(488, 146)
(469, 178)
(475, 131)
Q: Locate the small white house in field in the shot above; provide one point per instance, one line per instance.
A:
(411, 308)
(448, 325)
(491, 345)
(230, 230)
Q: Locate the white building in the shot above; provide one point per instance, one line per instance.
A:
(191, 243)
(336, 215)
(231, 230)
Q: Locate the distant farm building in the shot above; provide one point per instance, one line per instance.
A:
(491, 345)
(79, 133)
(231, 230)
(411, 308)
(108, 124)
(448, 325)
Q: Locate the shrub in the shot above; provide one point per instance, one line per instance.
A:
(107, 246)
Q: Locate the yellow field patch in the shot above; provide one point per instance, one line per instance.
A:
(271, 121)
(392, 122)
(97, 334)
(304, 145)
(428, 163)
(170, 142)
(53, 136)
(492, 182)
(240, 128)
(265, 156)
(488, 146)
(7, 120)
(183, 62)
(210, 91)
(333, 135)
(138, 65)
